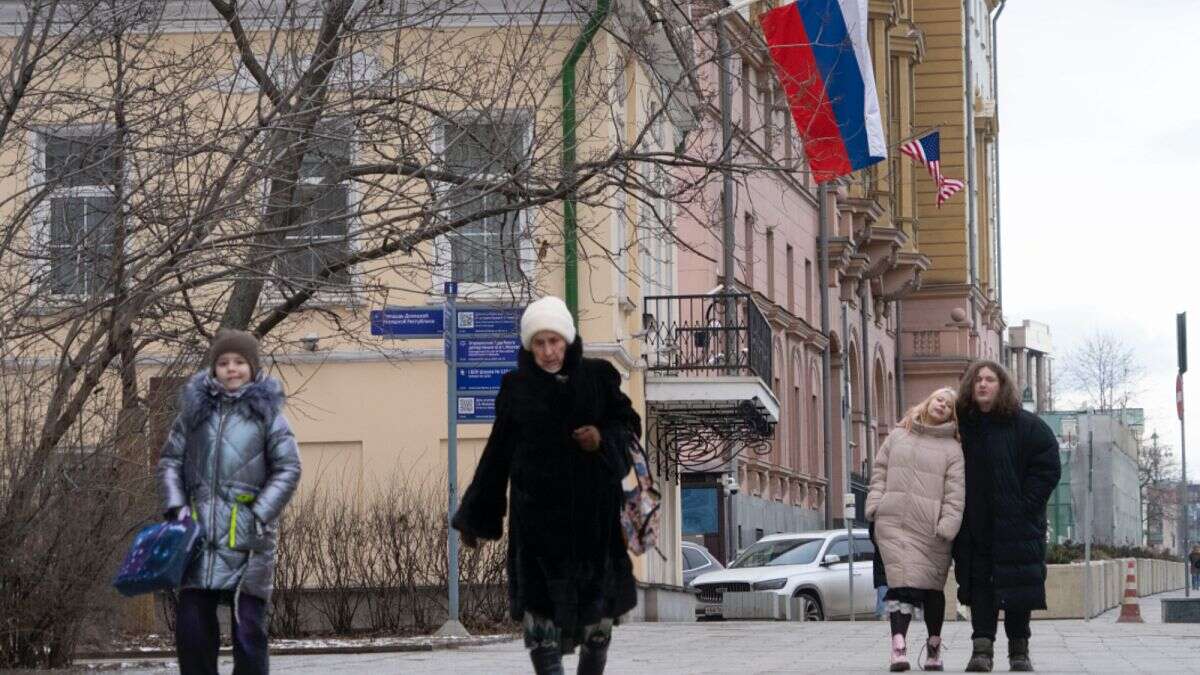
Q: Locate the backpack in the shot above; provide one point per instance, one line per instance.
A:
(640, 514)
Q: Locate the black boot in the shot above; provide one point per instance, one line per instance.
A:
(1018, 656)
(592, 660)
(981, 656)
(546, 661)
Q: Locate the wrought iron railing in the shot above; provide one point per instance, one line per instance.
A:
(706, 336)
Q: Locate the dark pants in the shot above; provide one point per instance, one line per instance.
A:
(198, 634)
(932, 602)
(985, 615)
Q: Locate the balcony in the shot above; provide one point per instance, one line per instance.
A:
(708, 374)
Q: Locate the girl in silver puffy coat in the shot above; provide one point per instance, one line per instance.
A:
(231, 463)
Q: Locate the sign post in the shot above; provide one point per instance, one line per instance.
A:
(452, 626)
(1185, 510)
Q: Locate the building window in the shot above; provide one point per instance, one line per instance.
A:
(770, 253)
(321, 235)
(790, 261)
(766, 96)
(655, 224)
(749, 250)
(808, 291)
(80, 170)
(486, 250)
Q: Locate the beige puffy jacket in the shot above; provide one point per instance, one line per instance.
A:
(918, 489)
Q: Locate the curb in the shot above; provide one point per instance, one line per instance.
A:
(429, 646)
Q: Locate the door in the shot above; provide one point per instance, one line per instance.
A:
(694, 564)
(837, 578)
(835, 582)
(864, 576)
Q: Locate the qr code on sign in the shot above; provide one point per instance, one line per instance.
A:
(466, 406)
(466, 319)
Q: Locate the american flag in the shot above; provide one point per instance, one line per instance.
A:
(927, 151)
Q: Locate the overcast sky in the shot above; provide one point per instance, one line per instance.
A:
(1100, 156)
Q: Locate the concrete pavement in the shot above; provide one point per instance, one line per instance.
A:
(1098, 646)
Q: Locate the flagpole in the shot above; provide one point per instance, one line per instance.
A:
(922, 132)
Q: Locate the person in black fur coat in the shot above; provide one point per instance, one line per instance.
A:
(1012, 467)
(559, 446)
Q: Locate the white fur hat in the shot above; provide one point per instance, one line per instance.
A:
(549, 313)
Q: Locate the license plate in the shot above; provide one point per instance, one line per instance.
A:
(712, 610)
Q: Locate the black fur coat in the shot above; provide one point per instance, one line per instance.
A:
(1012, 467)
(566, 555)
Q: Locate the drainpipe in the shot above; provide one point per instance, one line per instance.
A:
(570, 233)
(899, 360)
(868, 437)
(996, 167)
(969, 139)
(826, 366)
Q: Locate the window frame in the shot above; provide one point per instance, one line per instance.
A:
(443, 266)
(42, 215)
(351, 292)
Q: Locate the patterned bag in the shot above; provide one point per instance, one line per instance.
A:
(640, 515)
(158, 558)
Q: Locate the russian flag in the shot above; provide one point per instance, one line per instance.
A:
(824, 65)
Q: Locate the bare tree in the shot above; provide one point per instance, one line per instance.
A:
(1158, 474)
(1106, 370)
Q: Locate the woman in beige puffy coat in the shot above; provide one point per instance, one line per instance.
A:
(916, 501)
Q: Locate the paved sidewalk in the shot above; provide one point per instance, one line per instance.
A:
(1097, 646)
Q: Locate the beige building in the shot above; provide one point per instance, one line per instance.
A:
(1030, 358)
(956, 315)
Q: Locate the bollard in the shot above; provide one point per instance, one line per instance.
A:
(1131, 611)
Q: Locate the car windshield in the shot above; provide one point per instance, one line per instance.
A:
(779, 552)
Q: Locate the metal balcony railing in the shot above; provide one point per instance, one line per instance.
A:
(706, 336)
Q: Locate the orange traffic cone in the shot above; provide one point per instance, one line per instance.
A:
(1131, 611)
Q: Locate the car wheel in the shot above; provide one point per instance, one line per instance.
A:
(812, 609)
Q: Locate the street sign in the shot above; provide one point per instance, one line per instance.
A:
(1181, 340)
(489, 320)
(488, 350)
(408, 323)
(480, 379)
(477, 409)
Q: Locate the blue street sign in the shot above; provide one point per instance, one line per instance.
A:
(480, 409)
(477, 379)
(489, 350)
(408, 322)
(450, 288)
(489, 320)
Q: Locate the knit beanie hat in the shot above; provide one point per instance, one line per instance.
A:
(549, 313)
(238, 342)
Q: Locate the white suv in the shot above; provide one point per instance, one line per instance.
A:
(811, 565)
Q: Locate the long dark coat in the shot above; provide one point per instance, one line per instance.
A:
(1012, 467)
(566, 554)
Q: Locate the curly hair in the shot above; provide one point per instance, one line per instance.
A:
(1008, 401)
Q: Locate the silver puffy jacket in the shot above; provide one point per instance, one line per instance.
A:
(232, 459)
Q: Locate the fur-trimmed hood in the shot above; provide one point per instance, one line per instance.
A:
(202, 395)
